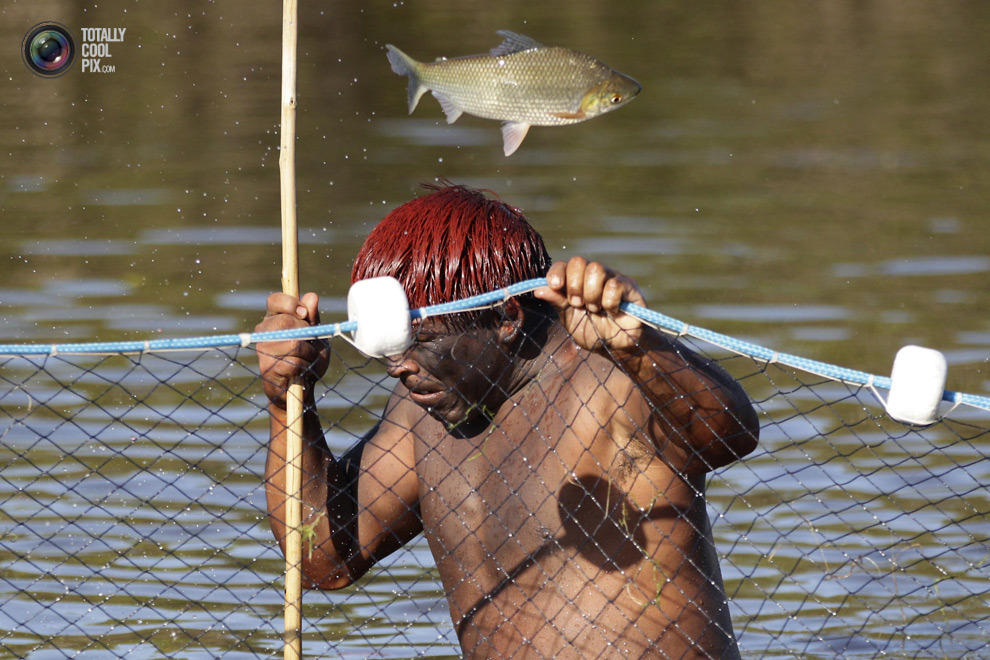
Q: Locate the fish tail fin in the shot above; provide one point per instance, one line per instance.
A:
(404, 65)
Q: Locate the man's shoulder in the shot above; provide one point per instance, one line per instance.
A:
(603, 380)
(612, 404)
(403, 418)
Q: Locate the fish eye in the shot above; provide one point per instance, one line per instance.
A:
(616, 98)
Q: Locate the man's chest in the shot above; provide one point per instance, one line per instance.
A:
(497, 495)
(529, 483)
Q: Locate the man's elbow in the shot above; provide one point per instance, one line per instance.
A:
(320, 575)
(324, 567)
(331, 583)
(742, 435)
(747, 434)
(732, 434)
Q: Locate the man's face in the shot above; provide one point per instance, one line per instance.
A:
(456, 376)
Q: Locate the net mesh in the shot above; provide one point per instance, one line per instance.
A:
(133, 519)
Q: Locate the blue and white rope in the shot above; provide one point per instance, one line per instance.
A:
(656, 319)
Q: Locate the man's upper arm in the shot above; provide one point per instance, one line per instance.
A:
(698, 416)
(387, 487)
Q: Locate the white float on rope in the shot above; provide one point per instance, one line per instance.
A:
(381, 310)
(917, 383)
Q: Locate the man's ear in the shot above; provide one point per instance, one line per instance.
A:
(511, 324)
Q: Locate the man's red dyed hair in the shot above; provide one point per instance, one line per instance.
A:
(452, 243)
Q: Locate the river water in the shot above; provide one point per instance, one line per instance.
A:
(812, 177)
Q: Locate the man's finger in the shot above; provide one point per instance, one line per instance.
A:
(595, 278)
(556, 275)
(310, 308)
(616, 290)
(575, 281)
(281, 303)
(554, 293)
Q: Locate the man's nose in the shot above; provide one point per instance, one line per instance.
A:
(400, 365)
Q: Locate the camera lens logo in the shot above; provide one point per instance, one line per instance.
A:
(48, 49)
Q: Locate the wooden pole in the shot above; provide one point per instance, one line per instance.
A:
(290, 285)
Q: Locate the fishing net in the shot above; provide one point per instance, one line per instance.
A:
(133, 518)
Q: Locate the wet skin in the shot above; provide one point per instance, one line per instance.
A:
(558, 475)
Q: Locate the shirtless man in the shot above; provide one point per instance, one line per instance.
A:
(554, 450)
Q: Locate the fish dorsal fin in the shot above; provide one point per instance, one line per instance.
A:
(514, 43)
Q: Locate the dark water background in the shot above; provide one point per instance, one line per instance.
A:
(813, 177)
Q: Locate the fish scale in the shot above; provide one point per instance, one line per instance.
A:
(520, 82)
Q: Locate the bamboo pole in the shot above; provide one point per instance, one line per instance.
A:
(290, 285)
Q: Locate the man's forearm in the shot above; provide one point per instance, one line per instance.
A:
(323, 560)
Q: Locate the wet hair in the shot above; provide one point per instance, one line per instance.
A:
(452, 243)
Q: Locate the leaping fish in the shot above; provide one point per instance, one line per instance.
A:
(520, 82)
